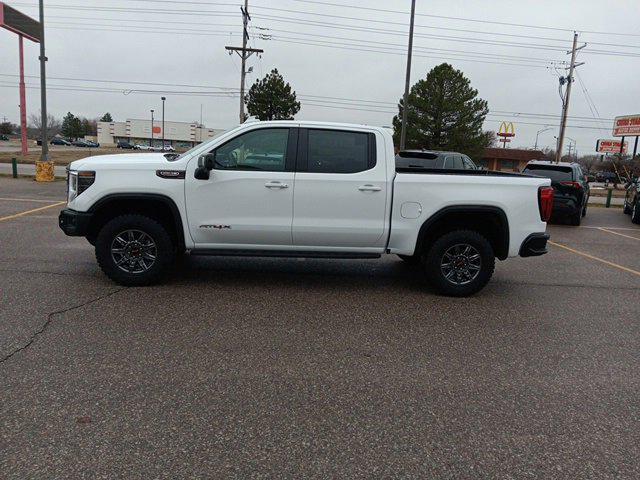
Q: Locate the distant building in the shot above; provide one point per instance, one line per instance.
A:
(508, 159)
(178, 134)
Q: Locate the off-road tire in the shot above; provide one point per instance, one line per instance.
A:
(164, 249)
(434, 260)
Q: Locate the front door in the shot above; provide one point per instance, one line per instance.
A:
(247, 202)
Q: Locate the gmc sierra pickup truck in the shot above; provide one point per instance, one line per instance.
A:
(302, 189)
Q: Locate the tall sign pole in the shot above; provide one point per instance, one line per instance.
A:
(43, 89)
(23, 100)
(565, 106)
(407, 81)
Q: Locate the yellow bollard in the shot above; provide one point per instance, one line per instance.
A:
(44, 171)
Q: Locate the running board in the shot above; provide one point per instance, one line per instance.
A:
(282, 253)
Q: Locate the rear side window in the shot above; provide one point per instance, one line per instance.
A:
(468, 163)
(558, 174)
(333, 151)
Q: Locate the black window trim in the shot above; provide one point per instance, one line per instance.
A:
(292, 147)
(302, 160)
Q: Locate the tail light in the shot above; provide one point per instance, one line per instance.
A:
(572, 184)
(545, 203)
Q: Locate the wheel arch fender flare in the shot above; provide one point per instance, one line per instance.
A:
(459, 213)
(140, 198)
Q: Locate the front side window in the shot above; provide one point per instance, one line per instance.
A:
(264, 149)
(332, 151)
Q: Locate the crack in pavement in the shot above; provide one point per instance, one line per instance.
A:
(50, 317)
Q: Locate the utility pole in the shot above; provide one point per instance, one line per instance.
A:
(565, 105)
(244, 53)
(151, 141)
(43, 89)
(405, 101)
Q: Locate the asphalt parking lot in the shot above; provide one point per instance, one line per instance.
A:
(254, 368)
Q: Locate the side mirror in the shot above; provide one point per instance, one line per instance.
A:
(207, 161)
(205, 165)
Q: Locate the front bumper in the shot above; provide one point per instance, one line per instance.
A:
(74, 224)
(534, 245)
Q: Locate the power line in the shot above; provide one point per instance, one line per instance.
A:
(493, 22)
(392, 105)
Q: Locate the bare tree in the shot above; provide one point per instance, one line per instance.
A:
(35, 125)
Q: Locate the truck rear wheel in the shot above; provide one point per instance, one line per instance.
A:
(460, 263)
(134, 250)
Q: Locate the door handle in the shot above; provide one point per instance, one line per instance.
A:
(369, 188)
(276, 184)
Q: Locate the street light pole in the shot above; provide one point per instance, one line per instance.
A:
(535, 147)
(151, 141)
(163, 99)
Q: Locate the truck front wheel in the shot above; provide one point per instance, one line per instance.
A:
(460, 263)
(134, 250)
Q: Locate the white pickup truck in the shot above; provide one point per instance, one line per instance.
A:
(302, 189)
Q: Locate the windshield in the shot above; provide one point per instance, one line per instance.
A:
(193, 149)
(557, 174)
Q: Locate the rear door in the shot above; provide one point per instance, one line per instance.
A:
(340, 193)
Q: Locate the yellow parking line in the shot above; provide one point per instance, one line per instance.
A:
(9, 217)
(606, 262)
(621, 234)
(33, 200)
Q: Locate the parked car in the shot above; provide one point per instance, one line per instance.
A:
(608, 177)
(303, 189)
(141, 146)
(168, 148)
(632, 200)
(429, 159)
(59, 141)
(4, 138)
(125, 145)
(80, 143)
(92, 144)
(570, 185)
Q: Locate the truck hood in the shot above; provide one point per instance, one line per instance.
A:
(126, 161)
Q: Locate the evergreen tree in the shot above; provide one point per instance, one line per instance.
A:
(272, 99)
(71, 126)
(106, 118)
(444, 113)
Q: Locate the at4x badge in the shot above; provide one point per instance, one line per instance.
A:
(217, 227)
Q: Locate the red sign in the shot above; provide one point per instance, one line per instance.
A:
(610, 146)
(19, 23)
(628, 125)
(157, 130)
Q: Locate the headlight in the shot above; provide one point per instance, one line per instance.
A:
(79, 182)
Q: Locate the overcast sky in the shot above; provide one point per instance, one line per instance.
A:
(324, 48)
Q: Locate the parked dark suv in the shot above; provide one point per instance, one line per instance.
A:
(428, 159)
(570, 185)
(632, 200)
(124, 145)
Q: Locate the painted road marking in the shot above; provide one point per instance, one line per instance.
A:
(21, 214)
(611, 228)
(606, 262)
(39, 200)
(620, 234)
